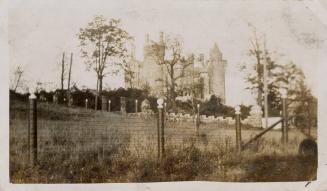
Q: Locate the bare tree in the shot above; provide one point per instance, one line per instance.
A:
(102, 44)
(255, 71)
(175, 65)
(18, 73)
(257, 52)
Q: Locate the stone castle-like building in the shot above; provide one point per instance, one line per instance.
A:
(200, 77)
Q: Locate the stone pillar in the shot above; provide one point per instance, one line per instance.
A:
(123, 105)
(104, 103)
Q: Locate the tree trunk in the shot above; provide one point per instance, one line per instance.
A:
(259, 73)
(98, 92)
(69, 74)
(172, 88)
(96, 96)
(62, 71)
(100, 85)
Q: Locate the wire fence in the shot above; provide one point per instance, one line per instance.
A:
(79, 132)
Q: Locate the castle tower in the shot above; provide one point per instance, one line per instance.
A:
(132, 75)
(152, 72)
(216, 72)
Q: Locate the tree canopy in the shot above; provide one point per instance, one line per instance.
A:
(103, 44)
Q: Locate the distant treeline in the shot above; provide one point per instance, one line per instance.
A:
(211, 107)
(79, 97)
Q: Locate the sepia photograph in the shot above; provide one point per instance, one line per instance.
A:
(163, 91)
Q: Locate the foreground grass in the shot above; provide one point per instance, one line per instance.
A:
(209, 158)
(183, 164)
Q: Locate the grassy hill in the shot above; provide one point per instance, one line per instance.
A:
(78, 145)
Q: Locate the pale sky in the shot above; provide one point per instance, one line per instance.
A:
(39, 31)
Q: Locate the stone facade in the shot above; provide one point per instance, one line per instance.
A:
(207, 73)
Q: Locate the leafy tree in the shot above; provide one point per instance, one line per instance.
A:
(103, 44)
(288, 76)
(215, 107)
(291, 77)
(146, 89)
(302, 103)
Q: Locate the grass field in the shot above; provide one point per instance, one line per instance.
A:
(82, 146)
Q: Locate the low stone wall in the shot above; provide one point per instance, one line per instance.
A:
(252, 120)
(184, 118)
(180, 117)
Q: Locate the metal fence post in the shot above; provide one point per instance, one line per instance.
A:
(238, 128)
(32, 130)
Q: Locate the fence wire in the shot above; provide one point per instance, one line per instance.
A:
(78, 132)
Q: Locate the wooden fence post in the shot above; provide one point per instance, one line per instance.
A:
(86, 103)
(238, 128)
(284, 115)
(136, 106)
(162, 134)
(197, 121)
(161, 131)
(165, 114)
(309, 117)
(32, 130)
(109, 106)
(158, 133)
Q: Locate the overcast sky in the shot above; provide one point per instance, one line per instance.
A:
(39, 31)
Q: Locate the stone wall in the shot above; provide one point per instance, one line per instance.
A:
(184, 118)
